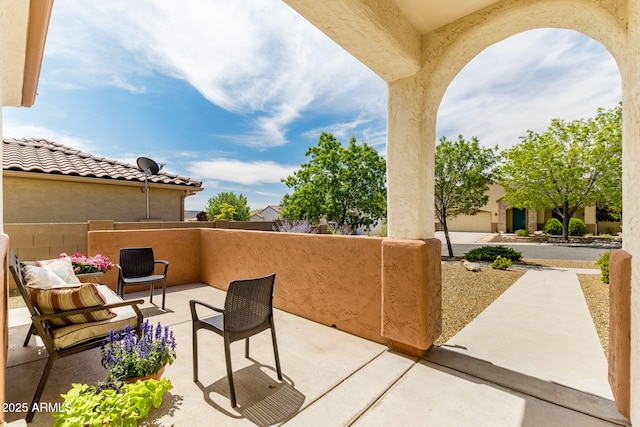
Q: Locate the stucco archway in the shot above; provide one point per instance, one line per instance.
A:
(414, 100)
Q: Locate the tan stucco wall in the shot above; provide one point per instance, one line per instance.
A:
(620, 328)
(181, 247)
(411, 292)
(630, 70)
(4, 317)
(14, 18)
(46, 200)
(334, 280)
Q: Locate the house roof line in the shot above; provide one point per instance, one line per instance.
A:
(40, 156)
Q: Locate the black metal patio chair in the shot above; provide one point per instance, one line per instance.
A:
(137, 267)
(248, 310)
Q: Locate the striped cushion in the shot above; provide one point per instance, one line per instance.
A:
(56, 300)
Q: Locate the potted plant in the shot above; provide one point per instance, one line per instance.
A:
(110, 403)
(130, 355)
(89, 264)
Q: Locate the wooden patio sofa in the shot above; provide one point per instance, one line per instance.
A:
(66, 340)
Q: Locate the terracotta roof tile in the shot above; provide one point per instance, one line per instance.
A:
(42, 156)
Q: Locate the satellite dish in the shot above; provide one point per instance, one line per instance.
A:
(149, 167)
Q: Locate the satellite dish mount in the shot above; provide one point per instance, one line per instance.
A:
(149, 167)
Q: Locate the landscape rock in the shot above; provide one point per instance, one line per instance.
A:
(472, 266)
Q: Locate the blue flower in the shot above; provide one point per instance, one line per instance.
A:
(128, 354)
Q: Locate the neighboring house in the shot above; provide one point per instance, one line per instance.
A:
(45, 182)
(270, 213)
(497, 216)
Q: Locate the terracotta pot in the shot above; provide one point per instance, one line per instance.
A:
(155, 376)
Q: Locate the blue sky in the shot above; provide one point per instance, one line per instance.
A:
(233, 93)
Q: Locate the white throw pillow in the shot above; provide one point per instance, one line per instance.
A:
(62, 267)
(41, 278)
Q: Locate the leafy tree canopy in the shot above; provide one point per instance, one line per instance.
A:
(228, 205)
(346, 185)
(571, 164)
(463, 171)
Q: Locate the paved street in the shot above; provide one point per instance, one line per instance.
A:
(464, 242)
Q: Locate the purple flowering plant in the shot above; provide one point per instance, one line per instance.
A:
(89, 264)
(127, 354)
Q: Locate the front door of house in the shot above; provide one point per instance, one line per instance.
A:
(518, 219)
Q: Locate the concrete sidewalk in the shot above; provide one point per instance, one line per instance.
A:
(510, 367)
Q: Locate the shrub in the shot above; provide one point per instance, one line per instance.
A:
(576, 227)
(490, 253)
(522, 233)
(603, 262)
(501, 263)
(553, 226)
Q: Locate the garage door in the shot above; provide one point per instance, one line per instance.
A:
(480, 222)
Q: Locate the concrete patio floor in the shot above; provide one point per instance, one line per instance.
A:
(332, 378)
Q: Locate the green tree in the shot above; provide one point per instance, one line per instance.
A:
(228, 205)
(571, 164)
(463, 171)
(346, 185)
(226, 212)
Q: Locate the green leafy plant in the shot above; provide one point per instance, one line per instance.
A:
(576, 227)
(553, 226)
(490, 253)
(128, 354)
(111, 403)
(603, 262)
(522, 233)
(501, 263)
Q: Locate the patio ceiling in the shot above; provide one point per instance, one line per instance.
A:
(385, 35)
(427, 15)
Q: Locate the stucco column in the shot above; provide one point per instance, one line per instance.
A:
(410, 165)
(630, 183)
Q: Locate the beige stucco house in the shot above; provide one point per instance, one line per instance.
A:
(46, 182)
(497, 216)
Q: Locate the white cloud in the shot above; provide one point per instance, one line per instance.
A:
(14, 129)
(237, 171)
(524, 82)
(251, 57)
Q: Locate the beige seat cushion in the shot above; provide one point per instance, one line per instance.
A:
(67, 336)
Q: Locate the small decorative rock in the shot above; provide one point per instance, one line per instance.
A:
(471, 266)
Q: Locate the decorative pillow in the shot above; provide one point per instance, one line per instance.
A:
(40, 277)
(61, 266)
(69, 298)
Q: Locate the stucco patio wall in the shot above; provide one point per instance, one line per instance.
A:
(620, 329)
(4, 317)
(181, 247)
(333, 280)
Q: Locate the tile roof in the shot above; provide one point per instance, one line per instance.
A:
(42, 156)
